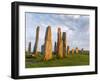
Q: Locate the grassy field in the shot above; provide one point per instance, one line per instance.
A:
(72, 60)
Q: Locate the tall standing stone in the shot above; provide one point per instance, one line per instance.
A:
(77, 50)
(82, 50)
(42, 48)
(59, 44)
(48, 44)
(29, 48)
(36, 41)
(72, 51)
(68, 51)
(64, 44)
(55, 48)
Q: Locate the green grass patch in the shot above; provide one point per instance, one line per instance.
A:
(72, 60)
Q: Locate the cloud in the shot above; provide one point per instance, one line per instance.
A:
(76, 27)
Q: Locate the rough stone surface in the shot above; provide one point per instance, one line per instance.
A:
(42, 48)
(48, 44)
(72, 51)
(55, 48)
(29, 48)
(59, 44)
(82, 50)
(68, 51)
(77, 50)
(35, 52)
(64, 44)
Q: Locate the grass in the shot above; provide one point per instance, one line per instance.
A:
(71, 60)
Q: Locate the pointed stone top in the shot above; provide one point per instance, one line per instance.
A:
(29, 41)
(59, 29)
(76, 47)
(64, 32)
(38, 27)
(64, 35)
(67, 46)
(49, 26)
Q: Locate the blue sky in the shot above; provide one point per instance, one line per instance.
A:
(75, 26)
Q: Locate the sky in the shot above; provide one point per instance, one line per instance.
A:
(76, 28)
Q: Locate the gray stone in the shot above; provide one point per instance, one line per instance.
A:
(64, 44)
(35, 52)
(29, 48)
(68, 50)
(55, 48)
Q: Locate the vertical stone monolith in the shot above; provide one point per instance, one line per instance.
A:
(29, 48)
(48, 44)
(59, 44)
(68, 50)
(82, 50)
(42, 48)
(55, 48)
(72, 51)
(35, 52)
(64, 44)
(77, 50)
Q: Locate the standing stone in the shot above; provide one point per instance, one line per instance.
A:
(42, 49)
(68, 51)
(59, 44)
(77, 50)
(82, 50)
(35, 52)
(55, 48)
(29, 48)
(64, 44)
(48, 44)
(72, 51)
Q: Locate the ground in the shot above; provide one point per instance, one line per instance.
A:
(72, 60)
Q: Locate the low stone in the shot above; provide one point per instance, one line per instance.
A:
(68, 51)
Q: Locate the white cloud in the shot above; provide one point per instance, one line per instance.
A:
(76, 16)
(75, 26)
